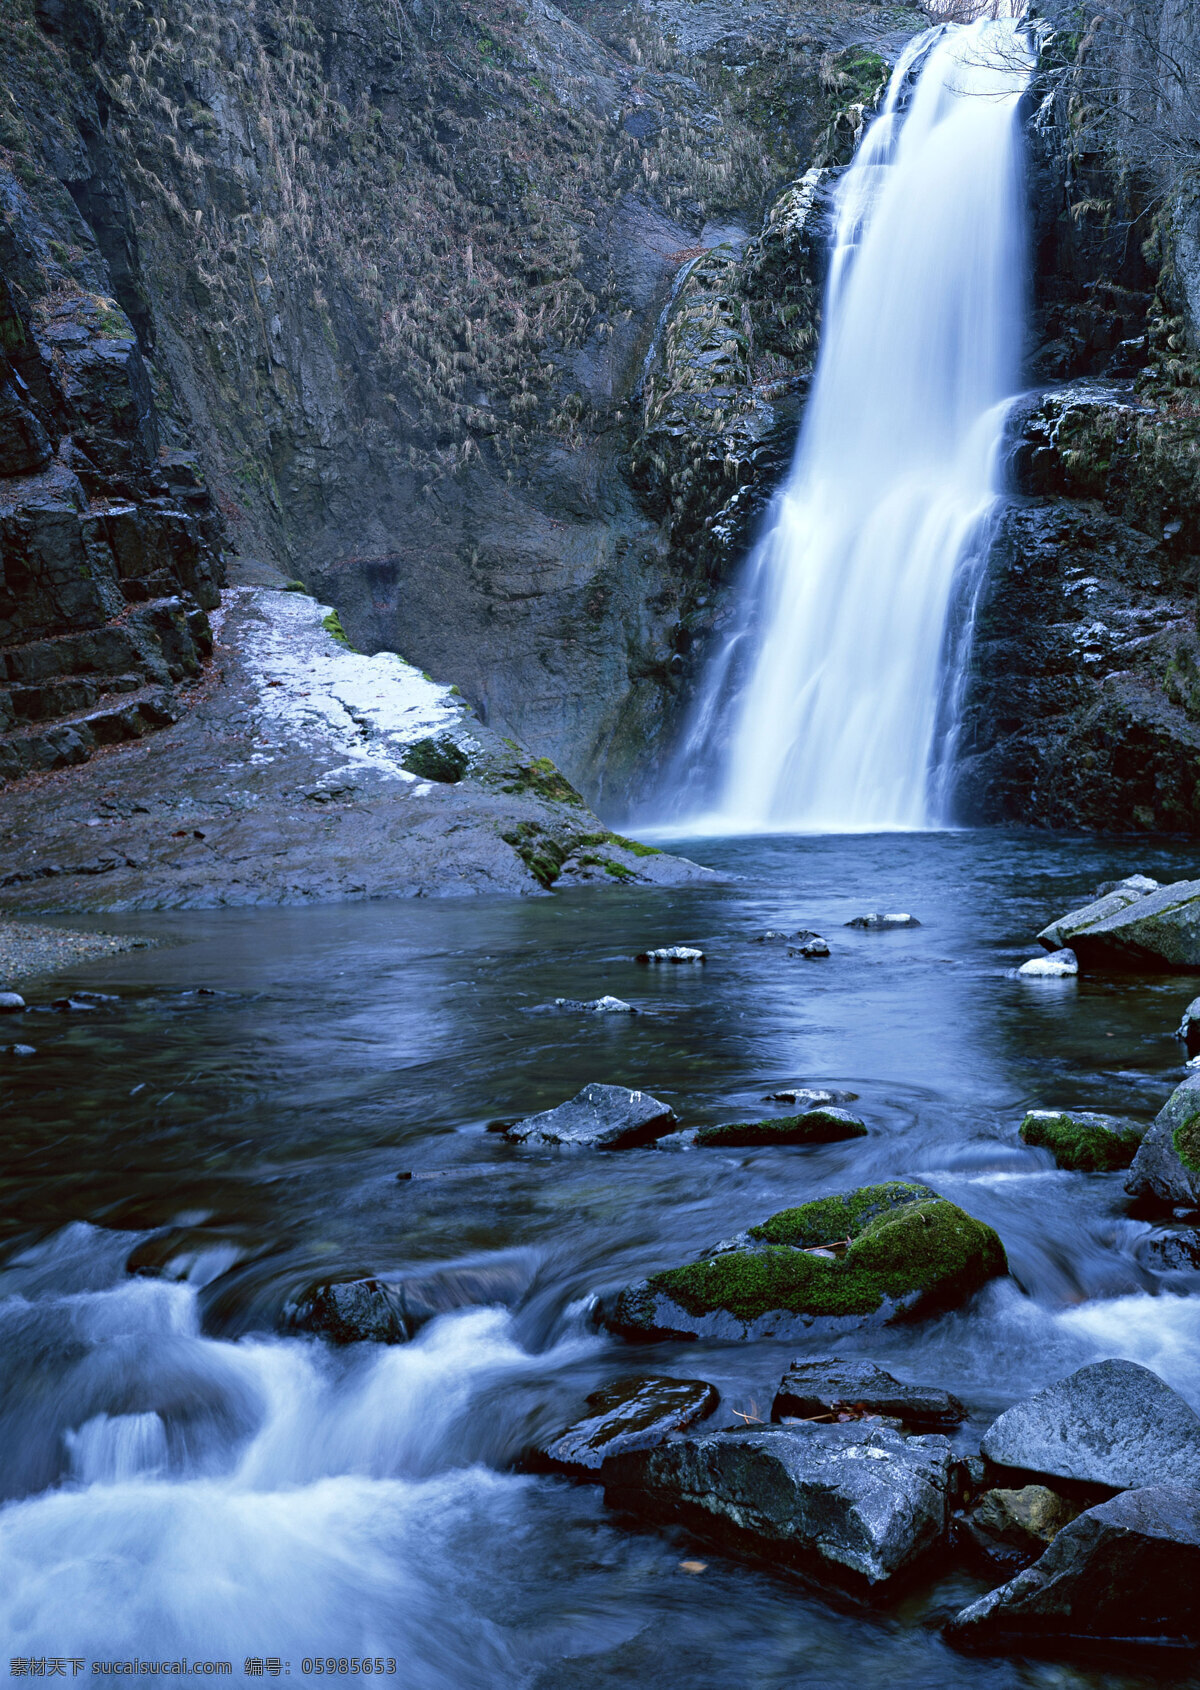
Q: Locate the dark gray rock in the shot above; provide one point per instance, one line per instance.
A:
(21, 1050)
(11, 1003)
(810, 945)
(598, 1118)
(1189, 1027)
(1110, 1423)
(876, 923)
(829, 1386)
(826, 1124)
(1129, 1568)
(629, 1415)
(391, 1311)
(671, 953)
(812, 1097)
(859, 1500)
(1166, 1169)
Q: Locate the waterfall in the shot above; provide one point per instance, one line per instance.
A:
(825, 707)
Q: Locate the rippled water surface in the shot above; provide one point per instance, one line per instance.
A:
(179, 1478)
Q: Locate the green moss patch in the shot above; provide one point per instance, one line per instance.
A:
(332, 624)
(1186, 1139)
(895, 1248)
(816, 1126)
(543, 780)
(1082, 1143)
(436, 759)
(634, 845)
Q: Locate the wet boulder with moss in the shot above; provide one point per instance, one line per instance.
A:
(1166, 1169)
(824, 1125)
(1082, 1141)
(882, 1253)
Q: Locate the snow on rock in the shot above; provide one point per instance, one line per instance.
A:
(315, 691)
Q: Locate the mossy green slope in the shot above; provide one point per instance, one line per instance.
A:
(903, 1249)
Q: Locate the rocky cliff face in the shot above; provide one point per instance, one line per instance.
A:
(109, 543)
(393, 273)
(1082, 707)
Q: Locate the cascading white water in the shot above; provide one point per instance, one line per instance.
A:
(821, 711)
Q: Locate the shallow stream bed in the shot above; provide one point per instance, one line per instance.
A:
(180, 1478)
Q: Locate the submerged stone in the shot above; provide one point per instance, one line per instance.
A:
(1128, 1569)
(809, 945)
(1055, 967)
(595, 1006)
(598, 1118)
(671, 953)
(823, 1125)
(1082, 1141)
(876, 923)
(11, 1003)
(829, 1386)
(811, 1097)
(885, 1252)
(860, 1502)
(1166, 1169)
(631, 1414)
(1110, 1423)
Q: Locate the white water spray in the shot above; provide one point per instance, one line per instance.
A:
(821, 712)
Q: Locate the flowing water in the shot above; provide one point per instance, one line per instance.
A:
(830, 705)
(181, 1477)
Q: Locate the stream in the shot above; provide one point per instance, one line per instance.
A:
(181, 1477)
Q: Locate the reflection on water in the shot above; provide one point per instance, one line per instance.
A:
(179, 1478)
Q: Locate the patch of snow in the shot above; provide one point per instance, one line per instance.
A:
(314, 691)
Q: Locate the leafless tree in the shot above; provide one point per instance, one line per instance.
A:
(1139, 88)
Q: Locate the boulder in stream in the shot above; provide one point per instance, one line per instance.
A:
(11, 1003)
(671, 953)
(1110, 1423)
(1057, 966)
(809, 946)
(628, 1415)
(829, 1386)
(594, 1006)
(1166, 1169)
(1128, 1569)
(882, 1253)
(876, 923)
(391, 1311)
(1150, 932)
(826, 1124)
(810, 1097)
(857, 1502)
(598, 1118)
(1081, 1140)
(1189, 1028)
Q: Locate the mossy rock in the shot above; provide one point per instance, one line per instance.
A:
(541, 778)
(884, 1252)
(436, 759)
(1082, 1142)
(815, 1126)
